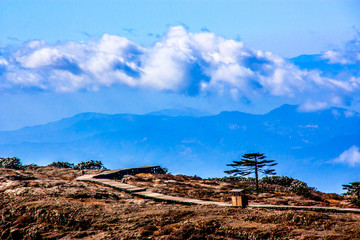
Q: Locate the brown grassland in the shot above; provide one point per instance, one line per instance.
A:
(48, 203)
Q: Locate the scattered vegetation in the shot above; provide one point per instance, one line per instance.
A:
(279, 180)
(273, 183)
(90, 165)
(13, 163)
(61, 165)
(301, 188)
(80, 166)
(234, 179)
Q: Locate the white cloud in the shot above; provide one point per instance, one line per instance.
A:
(313, 106)
(350, 157)
(336, 57)
(350, 55)
(182, 62)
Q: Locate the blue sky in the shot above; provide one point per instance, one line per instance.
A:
(288, 28)
(60, 58)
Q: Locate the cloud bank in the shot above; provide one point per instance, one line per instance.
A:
(181, 62)
(350, 157)
(348, 56)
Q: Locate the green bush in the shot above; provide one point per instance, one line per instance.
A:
(90, 165)
(279, 180)
(300, 188)
(13, 163)
(61, 165)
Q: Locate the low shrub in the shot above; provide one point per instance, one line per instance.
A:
(279, 180)
(162, 170)
(234, 179)
(300, 188)
(13, 163)
(90, 165)
(61, 165)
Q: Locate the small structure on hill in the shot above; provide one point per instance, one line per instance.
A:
(239, 199)
(120, 173)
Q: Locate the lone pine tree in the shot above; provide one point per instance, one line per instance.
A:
(252, 163)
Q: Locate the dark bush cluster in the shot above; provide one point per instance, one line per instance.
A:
(294, 185)
(235, 179)
(279, 180)
(61, 165)
(162, 170)
(90, 165)
(300, 188)
(80, 166)
(13, 163)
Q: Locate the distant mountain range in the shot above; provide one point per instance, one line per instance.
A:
(189, 142)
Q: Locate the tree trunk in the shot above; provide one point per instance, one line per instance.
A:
(256, 176)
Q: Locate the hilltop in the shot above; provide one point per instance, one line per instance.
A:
(48, 203)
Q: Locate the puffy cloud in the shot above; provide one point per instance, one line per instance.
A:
(350, 157)
(181, 62)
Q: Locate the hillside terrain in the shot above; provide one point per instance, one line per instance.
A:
(48, 203)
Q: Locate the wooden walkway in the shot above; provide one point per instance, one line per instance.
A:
(141, 192)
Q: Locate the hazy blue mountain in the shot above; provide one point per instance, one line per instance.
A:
(302, 142)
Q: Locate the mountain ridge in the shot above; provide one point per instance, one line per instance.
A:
(188, 144)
